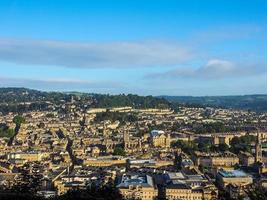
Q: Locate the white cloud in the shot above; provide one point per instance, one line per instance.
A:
(229, 32)
(214, 69)
(92, 55)
(57, 84)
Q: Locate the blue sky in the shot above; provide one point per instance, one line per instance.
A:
(146, 47)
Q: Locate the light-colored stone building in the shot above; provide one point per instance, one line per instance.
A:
(190, 187)
(226, 159)
(234, 177)
(137, 187)
(160, 139)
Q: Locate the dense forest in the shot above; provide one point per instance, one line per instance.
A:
(21, 100)
(105, 192)
(24, 95)
(130, 100)
(113, 116)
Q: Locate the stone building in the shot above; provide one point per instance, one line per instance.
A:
(160, 139)
(226, 159)
(258, 149)
(246, 159)
(234, 177)
(134, 186)
(131, 144)
(190, 187)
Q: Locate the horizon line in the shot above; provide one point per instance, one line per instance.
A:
(162, 95)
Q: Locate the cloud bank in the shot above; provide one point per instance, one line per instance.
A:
(92, 55)
(57, 84)
(214, 69)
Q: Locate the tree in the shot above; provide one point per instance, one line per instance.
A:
(257, 193)
(204, 146)
(223, 147)
(213, 148)
(118, 151)
(5, 131)
(107, 192)
(93, 193)
(50, 115)
(242, 143)
(18, 120)
(234, 141)
(187, 147)
(29, 179)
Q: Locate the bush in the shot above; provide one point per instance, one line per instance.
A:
(18, 120)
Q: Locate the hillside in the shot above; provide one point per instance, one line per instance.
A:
(23, 100)
(246, 102)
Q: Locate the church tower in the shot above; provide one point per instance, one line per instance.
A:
(258, 149)
(126, 139)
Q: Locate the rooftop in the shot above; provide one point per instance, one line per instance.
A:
(136, 180)
(233, 173)
(176, 175)
(155, 133)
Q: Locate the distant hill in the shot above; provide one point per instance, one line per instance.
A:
(22, 95)
(23, 99)
(256, 103)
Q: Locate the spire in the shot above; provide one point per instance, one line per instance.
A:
(126, 139)
(258, 148)
(126, 136)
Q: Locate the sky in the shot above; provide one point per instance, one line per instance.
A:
(145, 47)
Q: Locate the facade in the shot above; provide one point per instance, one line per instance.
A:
(27, 156)
(189, 187)
(226, 159)
(64, 187)
(148, 163)
(258, 149)
(181, 191)
(246, 159)
(137, 187)
(104, 162)
(160, 139)
(131, 144)
(234, 177)
(222, 139)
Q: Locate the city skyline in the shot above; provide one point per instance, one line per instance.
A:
(143, 47)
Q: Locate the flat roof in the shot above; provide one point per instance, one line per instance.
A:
(136, 179)
(176, 175)
(233, 173)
